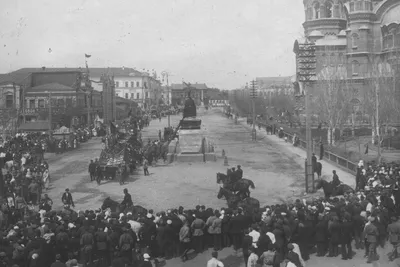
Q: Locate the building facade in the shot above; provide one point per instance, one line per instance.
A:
(179, 93)
(352, 37)
(270, 86)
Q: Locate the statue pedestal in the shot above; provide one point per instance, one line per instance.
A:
(191, 123)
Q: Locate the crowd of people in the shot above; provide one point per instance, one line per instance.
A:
(287, 232)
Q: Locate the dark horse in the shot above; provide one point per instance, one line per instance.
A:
(317, 166)
(250, 205)
(114, 206)
(331, 191)
(241, 186)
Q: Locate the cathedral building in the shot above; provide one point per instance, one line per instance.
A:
(351, 38)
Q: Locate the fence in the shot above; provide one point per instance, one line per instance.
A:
(338, 160)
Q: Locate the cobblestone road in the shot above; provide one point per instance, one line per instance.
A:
(276, 171)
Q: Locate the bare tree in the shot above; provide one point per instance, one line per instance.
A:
(380, 101)
(332, 100)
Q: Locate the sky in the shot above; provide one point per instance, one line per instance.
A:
(223, 43)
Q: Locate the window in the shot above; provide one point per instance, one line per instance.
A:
(355, 67)
(316, 10)
(328, 9)
(126, 95)
(368, 6)
(132, 96)
(390, 41)
(358, 6)
(354, 40)
(126, 84)
(60, 102)
(137, 95)
(397, 37)
(41, 103)
(147, 93)
(145, 84)
(137, 84)
(132, 84)
(32, 103)
(309, 13)
(352, 7)
(116, 84)
(9, 101)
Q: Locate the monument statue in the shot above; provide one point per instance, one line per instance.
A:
(190, 107)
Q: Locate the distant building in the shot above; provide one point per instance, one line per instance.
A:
(269, 86)
(180, 91)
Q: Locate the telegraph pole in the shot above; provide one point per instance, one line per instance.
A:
(50, 119)
(306, 65)
(165, 75)
(253, 95)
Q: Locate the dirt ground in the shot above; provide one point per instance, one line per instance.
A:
(275, 168)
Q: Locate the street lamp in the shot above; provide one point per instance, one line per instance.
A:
(306, 65)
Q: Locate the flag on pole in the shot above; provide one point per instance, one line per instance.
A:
(87, 56)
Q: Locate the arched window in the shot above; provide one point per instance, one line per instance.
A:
(328, 9)
(316, 7)
(354, 40)
(355, 67)
(359, 5)
(397, 37)
(351, 6)
(309, 14)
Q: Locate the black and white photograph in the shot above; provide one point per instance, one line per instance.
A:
(218, 133)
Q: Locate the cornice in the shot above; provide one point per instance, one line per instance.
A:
(322, 22)
(362, 16)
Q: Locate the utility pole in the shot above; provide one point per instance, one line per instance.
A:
(306, 65)
(88, 108)
(50, 119)
(253, 95)
(165, 75)
(378, 134)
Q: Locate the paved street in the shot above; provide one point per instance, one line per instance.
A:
(274, 166)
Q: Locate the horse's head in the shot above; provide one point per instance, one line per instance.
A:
(218, 178)
(106, 203)
(318, 184)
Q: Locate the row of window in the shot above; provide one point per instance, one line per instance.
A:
(137, 95)
(391, 39)
(41, 103)
(361, 5)
(328, 10)
(132, 84)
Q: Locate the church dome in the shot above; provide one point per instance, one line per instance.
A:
(391, 16)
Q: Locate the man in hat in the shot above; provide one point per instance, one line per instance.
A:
(239, 172)
(127, 202)
(371, 235)
(394, 236)
(214, 262)
(67, 198)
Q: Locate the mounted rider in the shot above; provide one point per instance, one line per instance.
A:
(127, 202)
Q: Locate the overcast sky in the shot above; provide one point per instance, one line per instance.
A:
(223, 43)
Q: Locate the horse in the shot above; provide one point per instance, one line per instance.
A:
(114, 206)
(317, 168)
(241, 186)
(249, 205)
(329, 189)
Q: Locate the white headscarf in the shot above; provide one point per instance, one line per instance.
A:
(297, 251)
(272, 237)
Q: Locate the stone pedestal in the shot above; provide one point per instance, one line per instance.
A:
(191, 123)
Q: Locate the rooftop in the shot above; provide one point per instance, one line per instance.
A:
(20, 75)
(181, 86)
